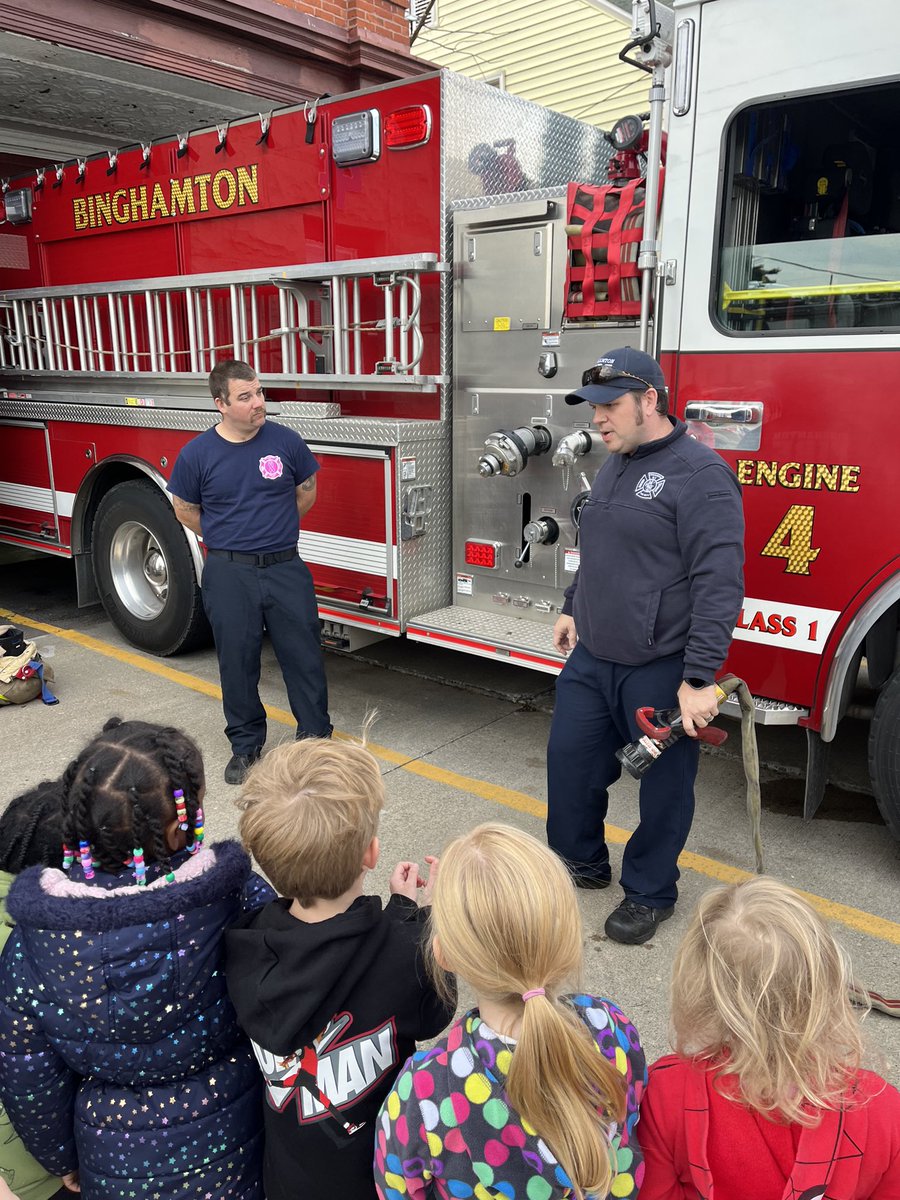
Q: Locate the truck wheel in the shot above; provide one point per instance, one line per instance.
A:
(145, 572)
(884, 753)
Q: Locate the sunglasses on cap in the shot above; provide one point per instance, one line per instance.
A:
(606, 373)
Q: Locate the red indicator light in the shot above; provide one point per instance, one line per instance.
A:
(406, 127)
(481, 554)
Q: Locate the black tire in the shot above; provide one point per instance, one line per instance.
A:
(884, 753)
(144, 571)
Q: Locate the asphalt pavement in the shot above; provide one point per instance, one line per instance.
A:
(462, 741)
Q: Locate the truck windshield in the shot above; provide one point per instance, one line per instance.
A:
(811, 221)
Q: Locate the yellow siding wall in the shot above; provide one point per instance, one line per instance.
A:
(559, 53)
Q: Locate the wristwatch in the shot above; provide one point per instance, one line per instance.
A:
(697, 684)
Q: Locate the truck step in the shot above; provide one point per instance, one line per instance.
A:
(765, 711)
(499, 636)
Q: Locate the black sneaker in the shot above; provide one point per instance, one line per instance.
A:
(634, 923)
(239, 765)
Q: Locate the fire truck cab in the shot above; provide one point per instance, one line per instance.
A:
(778, 322)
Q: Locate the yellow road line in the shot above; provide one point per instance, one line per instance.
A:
(853, 918)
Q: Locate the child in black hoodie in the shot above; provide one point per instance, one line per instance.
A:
(330, 986)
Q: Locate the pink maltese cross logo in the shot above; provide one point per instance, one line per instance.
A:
(271, 467)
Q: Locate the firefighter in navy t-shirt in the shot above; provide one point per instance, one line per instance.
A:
(245, 484)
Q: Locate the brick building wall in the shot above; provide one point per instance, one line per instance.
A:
(384, 18)
(290, 50)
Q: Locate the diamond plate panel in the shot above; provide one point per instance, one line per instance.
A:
(424, 562)
(320, 410)
(498, 629)
(362, 431)
(146, 418)
(348, 430)
(495, 143)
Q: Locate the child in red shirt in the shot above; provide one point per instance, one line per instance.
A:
(765, 1096)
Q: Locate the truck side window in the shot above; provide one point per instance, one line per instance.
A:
(811, 221)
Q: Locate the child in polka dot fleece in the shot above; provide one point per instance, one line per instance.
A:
(122, 1065)
(534, 1094)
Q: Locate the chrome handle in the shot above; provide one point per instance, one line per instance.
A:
(718, 412)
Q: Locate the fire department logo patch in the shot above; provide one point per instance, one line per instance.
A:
(271, 467)
(650, 485)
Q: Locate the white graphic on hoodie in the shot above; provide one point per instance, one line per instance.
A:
(344, 1071)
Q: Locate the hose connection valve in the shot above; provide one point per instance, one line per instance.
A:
(507, 451)
(572, 447)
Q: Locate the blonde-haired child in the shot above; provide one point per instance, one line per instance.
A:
(329, 985)
(765, 1096)
(534, 1093)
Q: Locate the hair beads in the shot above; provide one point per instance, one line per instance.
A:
(180, 809)
(68, 857)
(123, 791)
(198, 833)
(87, 863)
(140, 869)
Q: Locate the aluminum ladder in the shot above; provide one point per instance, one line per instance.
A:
(326, 325)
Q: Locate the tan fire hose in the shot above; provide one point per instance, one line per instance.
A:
(730, 685)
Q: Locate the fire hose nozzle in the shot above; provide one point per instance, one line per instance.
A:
(661, 728)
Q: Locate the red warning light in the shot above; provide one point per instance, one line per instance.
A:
(407, 127)
(481, 554)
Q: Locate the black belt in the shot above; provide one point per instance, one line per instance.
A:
(256, 560)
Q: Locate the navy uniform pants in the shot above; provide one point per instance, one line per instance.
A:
(594, 717)
(241, 600)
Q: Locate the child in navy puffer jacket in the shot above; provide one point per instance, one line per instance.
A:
(120, 1054)
(30, 835)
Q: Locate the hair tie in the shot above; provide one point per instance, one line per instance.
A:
(530, 995)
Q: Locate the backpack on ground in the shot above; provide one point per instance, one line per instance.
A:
(23, 673)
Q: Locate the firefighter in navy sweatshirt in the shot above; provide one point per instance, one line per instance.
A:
(647, 621)
(329, 986)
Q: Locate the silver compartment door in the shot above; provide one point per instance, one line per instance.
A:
(507, 278)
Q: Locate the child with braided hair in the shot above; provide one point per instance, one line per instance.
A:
(123, 1068)
(30, 835)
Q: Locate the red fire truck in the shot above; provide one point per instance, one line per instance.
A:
(420, 272)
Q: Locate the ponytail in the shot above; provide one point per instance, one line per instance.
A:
(567, 1091)
(505, 918)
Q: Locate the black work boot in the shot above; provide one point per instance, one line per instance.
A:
(239, 765)
(634, 923)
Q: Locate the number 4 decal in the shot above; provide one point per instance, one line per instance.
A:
(792, 540)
